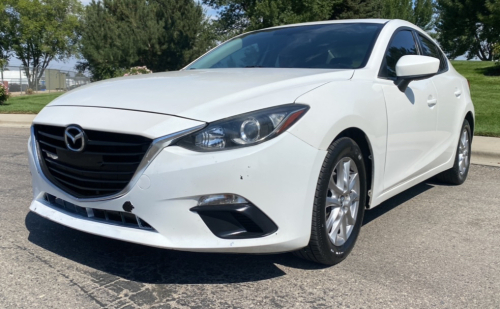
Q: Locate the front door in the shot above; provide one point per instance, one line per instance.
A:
(451, 95)
(411, 117)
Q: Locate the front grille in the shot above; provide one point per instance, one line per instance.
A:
(105, 216)
(103, 168)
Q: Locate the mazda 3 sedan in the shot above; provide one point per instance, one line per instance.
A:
(275, 141)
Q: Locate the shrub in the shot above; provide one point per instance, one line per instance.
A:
(29, 91)
(138, 71)
(3, 94)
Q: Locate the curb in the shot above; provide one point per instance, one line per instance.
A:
(485, 150)
(16, 120)
(487, 155)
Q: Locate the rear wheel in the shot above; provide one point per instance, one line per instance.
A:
(458, 173)
(339, 204)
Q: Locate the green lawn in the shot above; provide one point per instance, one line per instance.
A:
(28, 104)
(484, 78)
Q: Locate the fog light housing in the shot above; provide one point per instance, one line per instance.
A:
(221, 199)
(231, 216)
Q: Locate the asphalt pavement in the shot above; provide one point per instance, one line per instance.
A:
(431, 246)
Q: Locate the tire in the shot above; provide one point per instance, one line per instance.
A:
(458, 173)
(322, 247)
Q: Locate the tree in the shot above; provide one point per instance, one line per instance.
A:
(233, 16)
(160, 34)
(268, 13)
(41, 31)
(5, 42)
(467, 27)
(419, 12)
(237, 16)
(397, 9)
(493, 21)
(423, 14)
(107, 43)
(348, 9)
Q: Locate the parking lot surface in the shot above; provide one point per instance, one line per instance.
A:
(431, 246)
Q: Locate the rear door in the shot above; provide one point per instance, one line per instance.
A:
(450, 93)
(411, 116)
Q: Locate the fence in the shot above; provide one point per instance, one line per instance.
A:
(18, 80)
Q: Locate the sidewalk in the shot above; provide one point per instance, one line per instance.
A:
(485, 150)
(16, 120)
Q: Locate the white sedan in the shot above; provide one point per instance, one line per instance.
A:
(275, 141)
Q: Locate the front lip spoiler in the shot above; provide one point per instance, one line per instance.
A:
(154, 149)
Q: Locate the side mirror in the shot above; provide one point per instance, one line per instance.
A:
(413, 67)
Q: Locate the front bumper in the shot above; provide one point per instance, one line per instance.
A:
(278, 176)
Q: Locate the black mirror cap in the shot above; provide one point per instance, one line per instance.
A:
(403, 81)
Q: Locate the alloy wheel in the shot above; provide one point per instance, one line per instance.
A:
(342, 201)
(463, 152)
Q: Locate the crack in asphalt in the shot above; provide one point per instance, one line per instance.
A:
(71, 281)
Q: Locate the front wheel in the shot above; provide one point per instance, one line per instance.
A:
(339, 204)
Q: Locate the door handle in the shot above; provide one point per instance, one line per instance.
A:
(458, 93)
(432, 101)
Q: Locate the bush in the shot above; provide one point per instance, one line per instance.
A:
(3, 94)
(138, 71)
(29, 91)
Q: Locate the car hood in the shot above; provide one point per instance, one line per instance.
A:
(204, 95)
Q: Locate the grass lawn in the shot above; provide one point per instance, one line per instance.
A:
(28, 104)
(484, 78)
(485, 90)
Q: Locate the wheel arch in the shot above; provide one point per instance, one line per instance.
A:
(470, 118)
(364, 144)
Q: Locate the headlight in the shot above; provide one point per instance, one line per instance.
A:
(244, 130)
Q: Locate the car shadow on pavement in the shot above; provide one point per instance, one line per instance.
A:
(395, 201)
(153, 265)
(145, 264)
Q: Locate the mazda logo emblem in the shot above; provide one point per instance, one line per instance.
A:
(75, 138)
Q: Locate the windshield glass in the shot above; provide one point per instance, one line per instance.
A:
(324, 46)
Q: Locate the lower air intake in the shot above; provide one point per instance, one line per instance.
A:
(125, 219)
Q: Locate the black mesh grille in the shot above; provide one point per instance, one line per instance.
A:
(103, 168)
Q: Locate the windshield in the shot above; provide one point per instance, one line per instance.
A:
(324, 46)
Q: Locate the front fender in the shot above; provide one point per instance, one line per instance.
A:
(341, 105)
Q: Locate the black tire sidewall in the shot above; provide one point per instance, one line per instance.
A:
(344, 147)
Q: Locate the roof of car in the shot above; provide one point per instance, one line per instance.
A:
(341, 21)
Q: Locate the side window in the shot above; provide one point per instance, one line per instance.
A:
(430, 49)
(402, 44)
